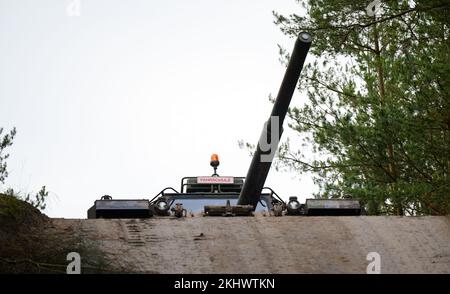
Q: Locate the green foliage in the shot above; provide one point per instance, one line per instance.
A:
(38, 201)
(377, 117)
(5, 142)
(40, 197)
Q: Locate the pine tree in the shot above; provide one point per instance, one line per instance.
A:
(377, 116)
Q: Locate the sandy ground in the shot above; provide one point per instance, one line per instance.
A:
(271, 244)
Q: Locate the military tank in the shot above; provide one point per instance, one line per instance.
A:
(230, 195)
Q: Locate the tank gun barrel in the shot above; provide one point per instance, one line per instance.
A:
(271, 134)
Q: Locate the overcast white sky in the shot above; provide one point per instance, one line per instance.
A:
(130, 96)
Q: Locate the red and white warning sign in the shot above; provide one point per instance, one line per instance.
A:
(215, 180)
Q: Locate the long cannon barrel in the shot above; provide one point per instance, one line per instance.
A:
(271, 134)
